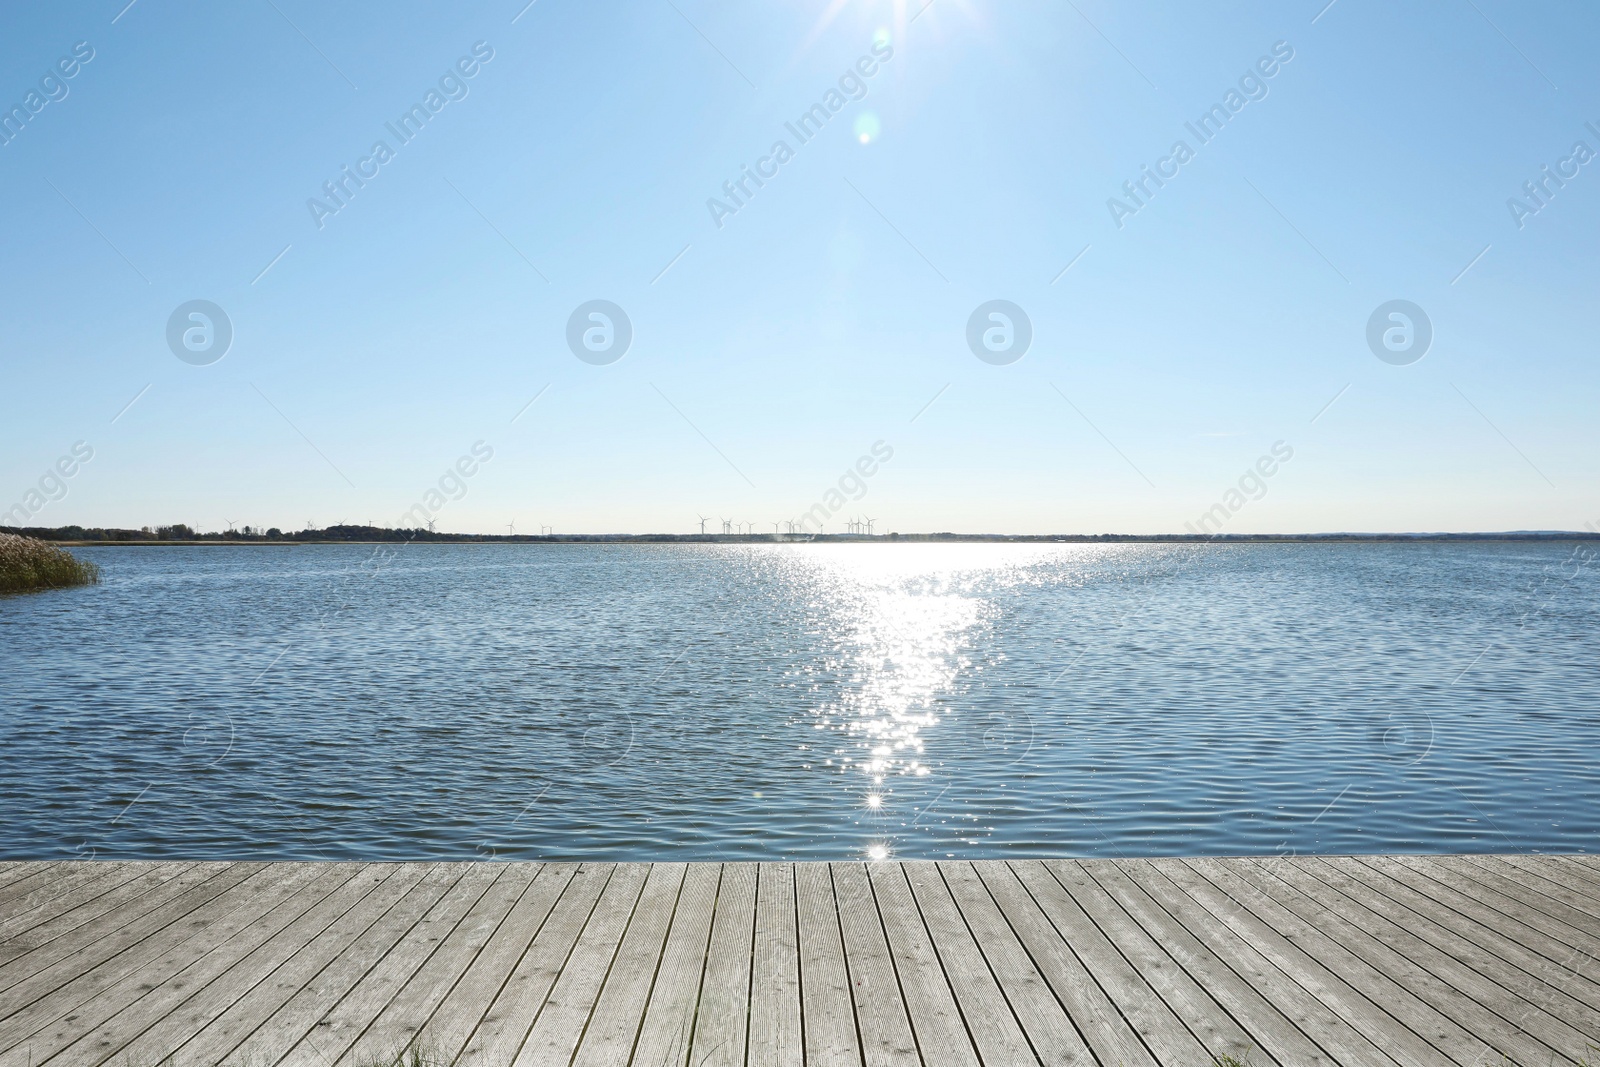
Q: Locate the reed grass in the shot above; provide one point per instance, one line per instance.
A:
(27, 565)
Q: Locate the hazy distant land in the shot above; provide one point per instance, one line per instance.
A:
(181, 534)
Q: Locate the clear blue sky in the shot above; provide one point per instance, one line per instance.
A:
(1221, 317)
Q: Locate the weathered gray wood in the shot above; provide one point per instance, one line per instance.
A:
(989, 1019)
(1448, 961)
(1456, 960)
(101, 1026)
(1526, 972)
(1248, 956)
(297, 957)
(1050, 1031)
(883, 1024)
(297, 1018)
(1572, 933)
(500, 1032)
(721, 1021)
(775, 1039)
(669, 1018)
(19, 877)
(1556, 878)
(399, 1023)
(619, 1011)
(1369, 999)
(1065, 944)
(242, 983)
(11, 870)
(35, 948)
(936, 1020)
(830, 1015)
(1565, 881)
(560, 1025)
(343, 1023)
(1144, 991)
(70, 980)
(1346, 924)
(1274, 1030)
(452, 1024)
(42, 899)
(136, 880)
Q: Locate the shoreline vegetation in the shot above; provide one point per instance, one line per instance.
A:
(181, 534)
(28, 564)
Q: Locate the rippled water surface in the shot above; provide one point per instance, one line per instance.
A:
(818, 701)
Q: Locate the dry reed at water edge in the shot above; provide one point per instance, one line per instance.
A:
(27, 564)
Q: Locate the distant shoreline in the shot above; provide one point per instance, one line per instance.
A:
(366, 535)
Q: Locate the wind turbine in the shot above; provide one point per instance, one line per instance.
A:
(702, 524)
(511, 528)
(869, 526)
(727, 527)
(230, 524)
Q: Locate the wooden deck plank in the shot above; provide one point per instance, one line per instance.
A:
(829, 1013)
(499, 1033)
(619, 1011)
(242, 981)
(53, 893)
(18, 877)
(101, 1027)
(72, 978)
(85, 904)
(1563, 880)
(567, 1010)
(1274, 1030)
(936, 1019)
(297, 957)
(1135, 1004)
(453, 1022)
(37, 947)
(401, 1020)
(295, 1022)
(1466, 967)
(882, 1022)
(1369, 999)
(1577, 933)
(721, 1020)
(1315, 1018)
(1404, 1027)
(1084, 970)
(1050, 1031)
(1452, 961)
(996, 1032)
(775, 1038)
(1363, 935)
(669, 1018)
(1536, 951)
(95, 994)
(1527, 972)
(347, 1019)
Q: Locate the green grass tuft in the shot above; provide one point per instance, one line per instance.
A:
(27, 565)
(411, 1057)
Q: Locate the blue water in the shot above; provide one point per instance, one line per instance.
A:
(804, 702)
